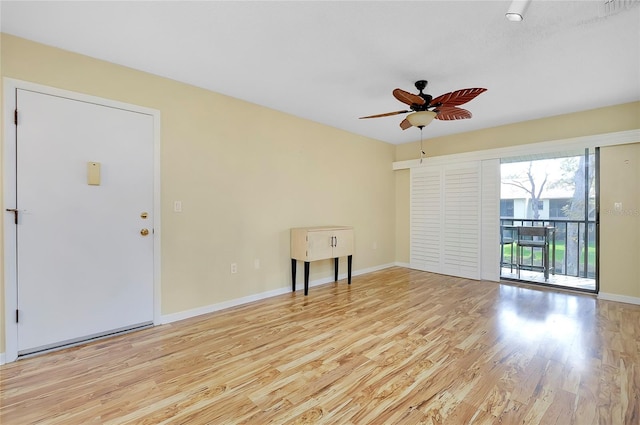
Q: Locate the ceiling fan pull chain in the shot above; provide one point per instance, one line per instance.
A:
(421, 151)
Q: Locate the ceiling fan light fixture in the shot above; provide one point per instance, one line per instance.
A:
(421, 119)
(516, 10)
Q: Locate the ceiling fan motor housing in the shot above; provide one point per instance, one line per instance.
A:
(421, 85)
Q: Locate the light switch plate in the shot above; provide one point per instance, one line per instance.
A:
(93, 173)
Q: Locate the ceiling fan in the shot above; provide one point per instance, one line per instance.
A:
(425, 108)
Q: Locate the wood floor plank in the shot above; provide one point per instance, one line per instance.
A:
(398, 346)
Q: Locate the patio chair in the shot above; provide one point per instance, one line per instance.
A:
(533, 237)
(507, 237)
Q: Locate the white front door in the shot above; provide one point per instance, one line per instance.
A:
(84, 184)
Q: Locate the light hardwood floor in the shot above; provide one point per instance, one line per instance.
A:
(398, 346)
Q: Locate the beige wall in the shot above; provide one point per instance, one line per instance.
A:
(620, 180)
(242, 185)
(620, 230)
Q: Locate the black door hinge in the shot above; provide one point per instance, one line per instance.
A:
(15, 117)
(17, 316)
(15, 214)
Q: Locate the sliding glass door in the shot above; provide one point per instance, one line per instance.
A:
(557, 192)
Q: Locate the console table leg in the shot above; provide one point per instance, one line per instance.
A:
(294, 263)
(306, 277)
(335, 269)
(349, 263)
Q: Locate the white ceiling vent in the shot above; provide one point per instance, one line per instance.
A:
(612, 7)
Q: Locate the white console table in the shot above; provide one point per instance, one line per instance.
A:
(320, 243)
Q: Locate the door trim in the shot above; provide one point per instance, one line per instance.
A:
(9, 198)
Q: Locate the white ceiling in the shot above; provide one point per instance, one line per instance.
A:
(334, 61)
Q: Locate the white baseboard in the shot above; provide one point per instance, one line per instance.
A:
(174, 317)
(2, 359)
(619, 298)
(405, 265)
(371, 269)
(187, 314)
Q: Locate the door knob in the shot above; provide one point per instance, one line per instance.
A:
(144, 232)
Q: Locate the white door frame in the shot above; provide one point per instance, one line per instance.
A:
(9, 199)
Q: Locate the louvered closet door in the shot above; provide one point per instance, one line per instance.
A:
(461, 230)
(425, 253)
(445, 219)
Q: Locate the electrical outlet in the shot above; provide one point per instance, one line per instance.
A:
(177, 206)
(617, 206)
(234, 268)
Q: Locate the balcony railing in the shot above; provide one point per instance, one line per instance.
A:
(575, 244)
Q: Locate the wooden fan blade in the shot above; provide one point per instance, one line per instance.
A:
(452, 113)
(408, 98)
(405, 124)
(387, 114)
(458, 97)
